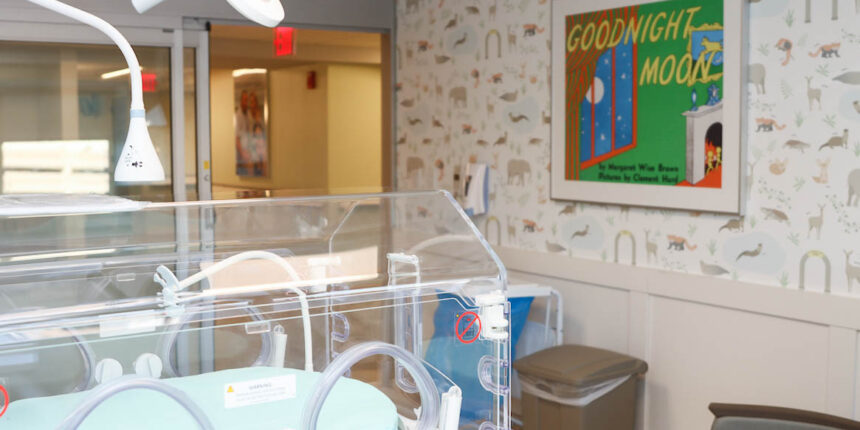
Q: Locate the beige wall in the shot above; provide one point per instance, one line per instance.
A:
(297, 132)
(298, 124)
(326, 139)
(354, 129)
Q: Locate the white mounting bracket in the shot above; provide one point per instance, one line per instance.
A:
(169, 289)
(494, 323)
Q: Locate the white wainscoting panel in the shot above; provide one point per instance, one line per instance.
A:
(708, 339)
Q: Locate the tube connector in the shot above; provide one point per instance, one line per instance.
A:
(169, 291)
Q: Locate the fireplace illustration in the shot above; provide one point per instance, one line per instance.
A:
(704, 142)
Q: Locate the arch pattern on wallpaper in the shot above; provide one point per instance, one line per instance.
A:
(827, 269)
(492, 219)
(626, 233)
(491, 33)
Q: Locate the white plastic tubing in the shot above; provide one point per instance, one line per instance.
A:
(265, 357)
(113, 34)
(106, 391)
(263, 255)
(429, 394)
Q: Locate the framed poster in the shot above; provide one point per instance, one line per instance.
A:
(250, 122)
(647, 102)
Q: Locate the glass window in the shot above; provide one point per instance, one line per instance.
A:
(64, 117)
(190, 79)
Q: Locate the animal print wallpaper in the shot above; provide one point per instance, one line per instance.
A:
(473, 85)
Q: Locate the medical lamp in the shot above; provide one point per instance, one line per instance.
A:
(138, 161)
(264, 12)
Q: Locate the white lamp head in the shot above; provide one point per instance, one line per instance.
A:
(144, 5)
(264, 12)
(138, 161)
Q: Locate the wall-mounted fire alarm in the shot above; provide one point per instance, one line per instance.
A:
(312, 80)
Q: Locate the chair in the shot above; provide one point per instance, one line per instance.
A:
(752, 417)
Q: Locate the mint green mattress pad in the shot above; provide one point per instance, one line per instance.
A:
(351, 405)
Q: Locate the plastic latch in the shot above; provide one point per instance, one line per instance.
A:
(494, 322)
(452, 400)
(107, 370)
(399, 257)
(340, 327)
(319, 271)
(169, 289)
(258, 327)
(148, 365)
(395, 258)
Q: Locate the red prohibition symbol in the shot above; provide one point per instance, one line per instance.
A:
(5, 400)
(470, 319)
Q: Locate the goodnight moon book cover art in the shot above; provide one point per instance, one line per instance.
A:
(643, 94)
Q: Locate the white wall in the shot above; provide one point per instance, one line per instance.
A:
(707, 340)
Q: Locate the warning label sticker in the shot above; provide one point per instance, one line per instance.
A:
(259, 391)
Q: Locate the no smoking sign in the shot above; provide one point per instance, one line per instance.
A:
(468, 327)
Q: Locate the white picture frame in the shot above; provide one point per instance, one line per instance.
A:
(729, 198)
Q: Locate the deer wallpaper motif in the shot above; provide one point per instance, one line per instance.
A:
(474, 84)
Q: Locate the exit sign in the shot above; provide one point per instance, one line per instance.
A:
(285, 41)
(150, 82)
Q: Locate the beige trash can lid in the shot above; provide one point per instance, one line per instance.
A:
(579, 367)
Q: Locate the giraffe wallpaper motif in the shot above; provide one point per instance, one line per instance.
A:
(473, 84)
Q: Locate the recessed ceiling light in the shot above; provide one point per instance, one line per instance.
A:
(243, 72)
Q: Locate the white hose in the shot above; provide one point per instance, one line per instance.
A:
(429, 394)
(169, 341)
(208, 272)
(113, 34)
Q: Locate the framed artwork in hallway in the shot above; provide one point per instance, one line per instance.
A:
(647, 99)
(251, 123)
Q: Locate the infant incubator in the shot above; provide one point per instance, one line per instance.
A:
(363, 312)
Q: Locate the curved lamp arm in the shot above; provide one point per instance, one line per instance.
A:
(113, 34)
(138, 161)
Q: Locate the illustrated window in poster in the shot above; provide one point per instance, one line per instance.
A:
(647, 103)
(250, 122)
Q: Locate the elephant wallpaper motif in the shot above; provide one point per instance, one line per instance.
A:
(474, 86)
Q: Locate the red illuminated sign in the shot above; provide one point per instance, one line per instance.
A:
(150, 82)
(284, 41)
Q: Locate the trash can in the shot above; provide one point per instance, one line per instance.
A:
(575, 387)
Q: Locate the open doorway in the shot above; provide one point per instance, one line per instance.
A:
(298, 112)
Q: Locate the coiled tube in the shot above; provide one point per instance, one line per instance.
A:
(106, 391)
(426, 388)
(168, 342)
